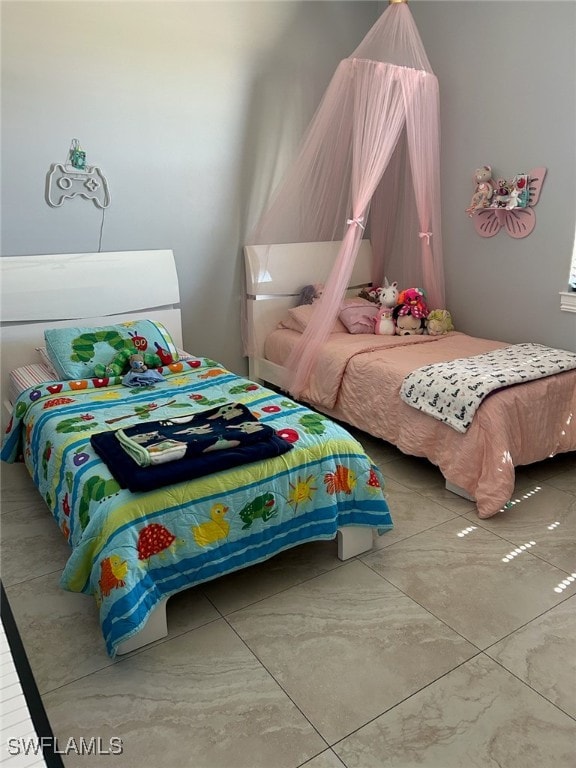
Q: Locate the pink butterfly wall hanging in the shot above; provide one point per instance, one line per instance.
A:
(511, 206)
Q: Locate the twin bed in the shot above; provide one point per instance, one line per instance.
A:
(359, 378)
(133, 549)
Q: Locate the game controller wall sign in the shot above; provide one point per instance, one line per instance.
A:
(75, 178)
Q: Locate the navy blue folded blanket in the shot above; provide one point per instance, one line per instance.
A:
(213, 440)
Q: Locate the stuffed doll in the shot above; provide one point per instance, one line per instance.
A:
(484, 190)
(408, 324)
(439, 322)
(120, 363)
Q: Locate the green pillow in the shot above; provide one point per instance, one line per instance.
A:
(75, 351)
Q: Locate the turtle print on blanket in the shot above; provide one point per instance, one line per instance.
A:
(452, 391)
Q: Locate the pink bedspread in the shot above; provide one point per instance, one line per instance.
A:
(358, 381)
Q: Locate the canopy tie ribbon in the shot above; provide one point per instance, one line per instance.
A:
(426, 235)
(358, 221)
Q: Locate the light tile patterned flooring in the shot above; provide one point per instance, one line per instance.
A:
(451, 645)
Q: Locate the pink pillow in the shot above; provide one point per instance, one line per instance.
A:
(358, 315)
(298, 318)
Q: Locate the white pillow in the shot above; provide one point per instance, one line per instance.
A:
(43, 353)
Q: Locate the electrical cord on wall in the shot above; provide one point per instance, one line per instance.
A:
(101, 230)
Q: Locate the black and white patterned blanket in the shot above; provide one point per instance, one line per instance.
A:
(452, 391)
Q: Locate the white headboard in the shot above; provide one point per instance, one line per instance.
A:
(275, 275)
(86, 289)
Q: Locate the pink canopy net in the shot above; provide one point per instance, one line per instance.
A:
(368, 164)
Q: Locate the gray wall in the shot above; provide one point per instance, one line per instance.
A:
(507, 74)
(192, 109)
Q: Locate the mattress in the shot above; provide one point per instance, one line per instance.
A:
(28, 376)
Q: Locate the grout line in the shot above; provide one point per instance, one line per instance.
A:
(528, 685)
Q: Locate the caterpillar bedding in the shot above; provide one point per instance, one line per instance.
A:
(133, 550)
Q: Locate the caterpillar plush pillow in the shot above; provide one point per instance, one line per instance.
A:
(75, 353)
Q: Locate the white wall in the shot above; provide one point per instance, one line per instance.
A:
(191, 109)
(507, 74)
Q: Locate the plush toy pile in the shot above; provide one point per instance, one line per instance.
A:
(405, 313)
(121, 363)
(502, 193)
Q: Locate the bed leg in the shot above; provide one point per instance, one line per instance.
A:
(354, 540)
(453, 488)
(254, 371)
(155, 628)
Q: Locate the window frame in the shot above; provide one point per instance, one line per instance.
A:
(568, 297)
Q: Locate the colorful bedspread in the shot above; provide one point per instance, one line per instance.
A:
(133, 550)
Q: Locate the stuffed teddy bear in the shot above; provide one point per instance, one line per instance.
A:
(139, 375)
(137, 364)
(387, 295)
(484, 190)
(122, 361)
(384, 324)
(439, 322)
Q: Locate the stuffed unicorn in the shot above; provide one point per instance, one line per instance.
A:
(388, 294)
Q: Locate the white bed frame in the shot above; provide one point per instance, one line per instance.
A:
(92, 289)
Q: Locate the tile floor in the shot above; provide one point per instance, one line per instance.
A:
(451, 644)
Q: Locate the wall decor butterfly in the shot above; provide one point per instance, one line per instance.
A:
(511, 206)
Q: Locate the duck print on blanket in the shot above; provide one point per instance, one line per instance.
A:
(453, 391)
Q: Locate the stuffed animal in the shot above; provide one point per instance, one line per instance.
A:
(139, 374)
(309, 294)
(413, 302)
(370, 294)
(408, 324)
(137, 364)
(387, 295)
(502, 193)
(439, 322)
(484, 189)
(384, 324)
(121, 362)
